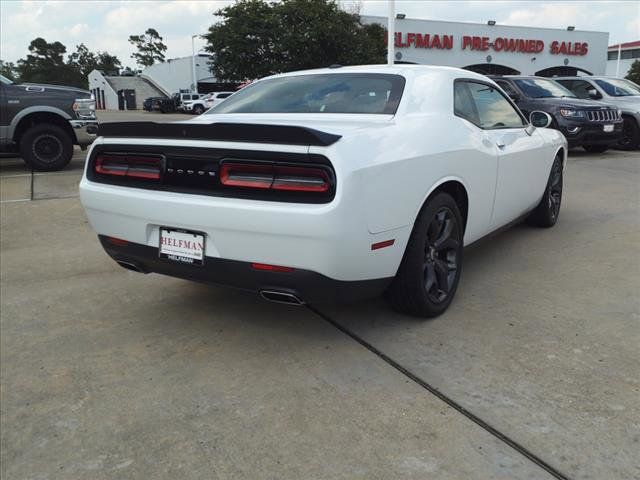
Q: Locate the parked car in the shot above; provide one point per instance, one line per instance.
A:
(327, 184)
(182, 98)
(622, 93)
(205, 102)
(148, 103)
(592, 125)
(43, 122)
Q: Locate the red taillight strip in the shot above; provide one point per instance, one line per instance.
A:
(136, 166)
(274, 177)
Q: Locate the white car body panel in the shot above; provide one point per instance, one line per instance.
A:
(386, 167)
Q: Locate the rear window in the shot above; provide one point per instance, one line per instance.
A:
(322, 93)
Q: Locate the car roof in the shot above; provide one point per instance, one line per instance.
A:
(398, 69)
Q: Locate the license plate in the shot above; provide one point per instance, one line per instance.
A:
(181, 246)
(608, 128)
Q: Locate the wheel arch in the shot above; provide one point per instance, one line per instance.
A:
(455, 187)
(34, 118)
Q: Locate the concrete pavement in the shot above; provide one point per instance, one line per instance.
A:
(106, 373)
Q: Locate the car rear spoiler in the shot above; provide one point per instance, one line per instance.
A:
(230, 132)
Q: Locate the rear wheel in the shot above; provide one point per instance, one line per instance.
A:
(630, 135)
(46, 147)
(546, 213)
(596, 148)
(430, 270)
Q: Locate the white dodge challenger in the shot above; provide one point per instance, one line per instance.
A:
(327, 184)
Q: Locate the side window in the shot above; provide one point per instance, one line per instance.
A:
(579, 88)
(195, 97)
(463, 105)
(223, 95)
(494, 110)
(508, 89)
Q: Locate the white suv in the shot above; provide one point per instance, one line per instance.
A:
(205, 102)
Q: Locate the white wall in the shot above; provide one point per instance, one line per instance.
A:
(175, 74)
(527, 63)
(97, 81)
(625, 65)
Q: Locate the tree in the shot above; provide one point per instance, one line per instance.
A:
(634, 72)
(258, 38)
(8, 70)
(45, 64)
(150, 48)
(86, 61)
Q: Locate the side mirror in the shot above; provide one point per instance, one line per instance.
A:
(540, 119)
(515, 97)
(594, 94)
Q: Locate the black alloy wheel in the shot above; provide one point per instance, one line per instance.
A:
(630, 135)
(46, 147)
(548, 210)
(428, 276)
(441, 255)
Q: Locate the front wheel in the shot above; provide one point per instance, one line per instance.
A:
(546, 213)
(430, 270)
(198, 110)
(46, 147)
(596, 148)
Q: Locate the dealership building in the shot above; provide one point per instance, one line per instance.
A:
(485, 48)
(498, 49)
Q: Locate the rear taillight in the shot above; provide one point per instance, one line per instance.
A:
(275, 177)
(145, 167)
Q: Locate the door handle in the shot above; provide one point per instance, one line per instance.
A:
(500, 144)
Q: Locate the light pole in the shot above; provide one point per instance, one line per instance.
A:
(391, 31)
(194, 81)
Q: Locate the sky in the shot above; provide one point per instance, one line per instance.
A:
(106, 25)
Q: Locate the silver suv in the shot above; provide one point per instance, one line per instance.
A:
(622, 93)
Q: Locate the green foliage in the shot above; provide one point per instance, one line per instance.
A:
(8, 70)
(257, 38)
(634, 72)
(86, 61)
(150, 48)
(45, 64)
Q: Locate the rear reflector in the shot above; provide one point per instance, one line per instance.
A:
(117, 241)
(271, 268)
(274, 177)
(136, 166)
(379, 245)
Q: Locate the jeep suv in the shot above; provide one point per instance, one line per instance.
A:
(590, 124)
(43, 122)
(622, 93)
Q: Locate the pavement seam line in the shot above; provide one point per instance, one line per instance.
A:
(449, 401)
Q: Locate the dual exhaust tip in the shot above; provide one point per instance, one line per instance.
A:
(276, 296)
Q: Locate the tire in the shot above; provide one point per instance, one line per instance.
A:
(546, 213)
(45, 147)
(198, 110)
(428, 275)
(596, 148)
(630, 135)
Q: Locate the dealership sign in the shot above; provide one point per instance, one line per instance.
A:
(499, 44)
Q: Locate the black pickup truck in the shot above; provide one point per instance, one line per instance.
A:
(590, 124)
(43, 122)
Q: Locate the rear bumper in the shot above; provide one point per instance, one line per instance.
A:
(310, 287)
(85, 130)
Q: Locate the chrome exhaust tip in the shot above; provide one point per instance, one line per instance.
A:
(281, 297)
(130, 266)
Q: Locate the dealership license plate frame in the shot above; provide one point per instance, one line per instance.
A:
(180, 259)
(607, 128)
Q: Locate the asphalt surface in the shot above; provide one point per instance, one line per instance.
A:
(534, 372)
